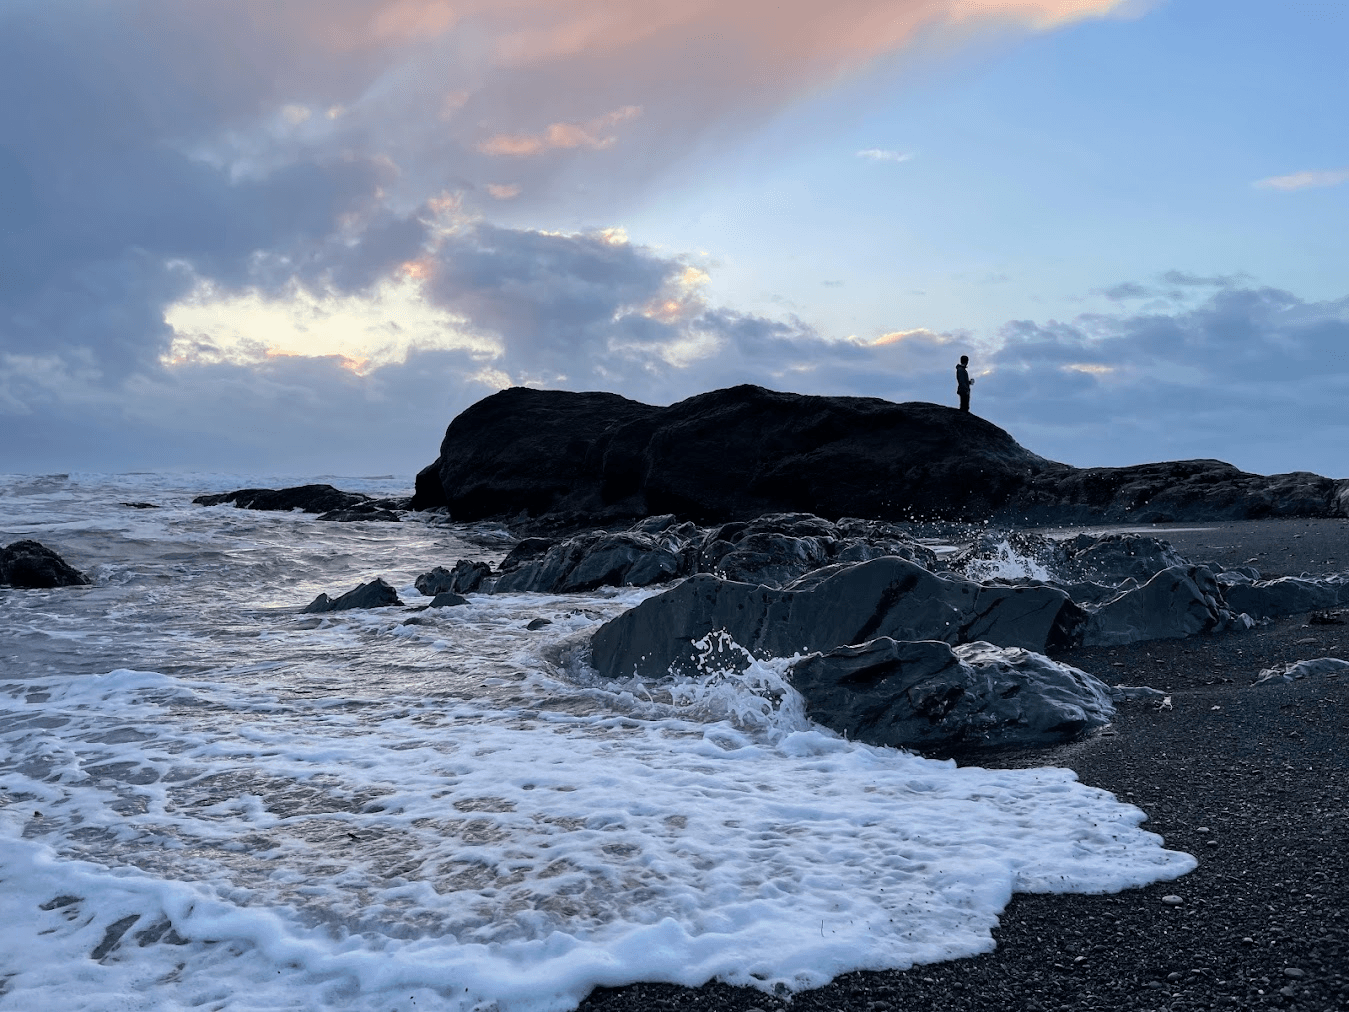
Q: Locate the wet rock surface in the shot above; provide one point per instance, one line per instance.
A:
(375, 594)
(30, 565)
(581, 459)
(913, 694)
(888, 597)
(332, 503)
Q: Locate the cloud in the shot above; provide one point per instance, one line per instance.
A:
(1305, 180)
(590, 134)
(880, 155)
(297, 169)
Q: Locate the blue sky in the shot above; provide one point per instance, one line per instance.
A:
(303, 236)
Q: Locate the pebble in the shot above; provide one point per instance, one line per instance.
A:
(1287, 992)
(1202, 829)
(1248, 940)
(1293, 971)
(1173, 975)
(1172, 900)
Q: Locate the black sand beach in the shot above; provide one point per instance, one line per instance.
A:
(1253, 781)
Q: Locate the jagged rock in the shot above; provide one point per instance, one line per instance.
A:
(375, 594)
(465, 578)
(926, 694)
(447, 599)
(1101, 559)
(599, 559)
(1177, 602)
(141, 505)
(588, 459)
(306, 498)
(526, 550)
(33, 566)
(886, 597)
(1296, 670)
(1289, 595)
(770, 551)
(778, 548)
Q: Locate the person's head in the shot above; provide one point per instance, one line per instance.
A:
(964, 360)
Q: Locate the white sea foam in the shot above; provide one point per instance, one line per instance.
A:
(244, 807)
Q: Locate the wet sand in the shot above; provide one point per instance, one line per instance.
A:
(1252, 780)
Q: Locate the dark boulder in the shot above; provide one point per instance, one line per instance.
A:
(927, 694)
(886, 597)
(375, 594)
(599, 559)
(306, 498)
(33, 566)
(1177, 602)
(367, 514)
(1104, 559)
(465, 578)
(447, 599)
(1289, 595)
(571, 460)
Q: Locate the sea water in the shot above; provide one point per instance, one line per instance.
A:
(209, 799)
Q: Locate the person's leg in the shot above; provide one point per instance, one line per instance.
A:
(964, 402)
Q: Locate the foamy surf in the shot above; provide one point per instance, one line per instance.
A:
(351, 813)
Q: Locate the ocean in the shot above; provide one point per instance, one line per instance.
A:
(210, 800)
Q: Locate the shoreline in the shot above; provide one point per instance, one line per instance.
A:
(1264, 921)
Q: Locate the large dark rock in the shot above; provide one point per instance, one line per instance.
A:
(375, 594)
(1289, 595)
(925, 694)
(306, 498)
(464, 578)
(886, 597)
(1177, 602)
(34, 566)
(587, 459)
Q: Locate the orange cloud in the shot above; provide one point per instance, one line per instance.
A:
(560, 135)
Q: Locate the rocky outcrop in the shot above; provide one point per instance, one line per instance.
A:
(774, 551)
(1289, 595)
(584, 459)
(888, 597)
(926, 694)
(375, 594)
(1177, 602)
(464, 578)
(33, 566)
(332, 503)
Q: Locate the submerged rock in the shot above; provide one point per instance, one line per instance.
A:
(33, 566)
(928, 693)
(375, 594)
(885, 597)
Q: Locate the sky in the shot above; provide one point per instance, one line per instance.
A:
(301, 236)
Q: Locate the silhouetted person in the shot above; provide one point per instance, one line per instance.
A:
(963, 382)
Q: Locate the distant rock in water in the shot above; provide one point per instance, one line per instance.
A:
(332, 503)
(33, 566)
(375, 594)
(586, 459)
